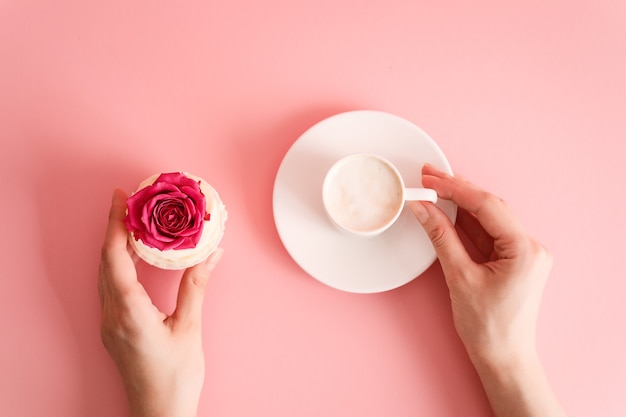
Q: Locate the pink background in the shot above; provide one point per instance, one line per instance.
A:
(526, 99)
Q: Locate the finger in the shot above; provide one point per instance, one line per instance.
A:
(117, 269)
(101, 287)
(133, 254)
(492, 213)
(474, 231)
(448, 246)
(192, 288)
(116, 235)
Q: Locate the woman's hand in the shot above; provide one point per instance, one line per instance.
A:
(495, 300)
(159, 357)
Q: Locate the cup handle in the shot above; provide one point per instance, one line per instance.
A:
(420, 194)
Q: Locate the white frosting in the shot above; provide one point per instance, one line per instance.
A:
(212, 233)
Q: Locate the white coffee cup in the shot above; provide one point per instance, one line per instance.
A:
(364, 194)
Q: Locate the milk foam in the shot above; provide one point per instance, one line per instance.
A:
(364, 194)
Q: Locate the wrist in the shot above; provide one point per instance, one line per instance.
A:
(143, 409)
(161, 403)
(499, 359)
(508, 364)
(516, 384)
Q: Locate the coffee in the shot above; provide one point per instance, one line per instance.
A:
(363, 193)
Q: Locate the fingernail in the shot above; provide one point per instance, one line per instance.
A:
(420, 211)
(213, 259)
(118, 193)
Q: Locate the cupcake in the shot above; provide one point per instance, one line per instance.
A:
(175, 220)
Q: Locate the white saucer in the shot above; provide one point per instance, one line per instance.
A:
(335, 258)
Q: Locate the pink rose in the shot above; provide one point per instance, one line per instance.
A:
(168, 214)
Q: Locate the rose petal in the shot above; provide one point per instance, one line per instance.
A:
(168, 214)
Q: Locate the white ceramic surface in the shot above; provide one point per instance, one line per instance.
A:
(336, 258)
(364, 194)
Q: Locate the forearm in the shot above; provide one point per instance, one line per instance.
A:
(518, 387)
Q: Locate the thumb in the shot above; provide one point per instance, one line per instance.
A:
(192, 286)
(450, 250)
